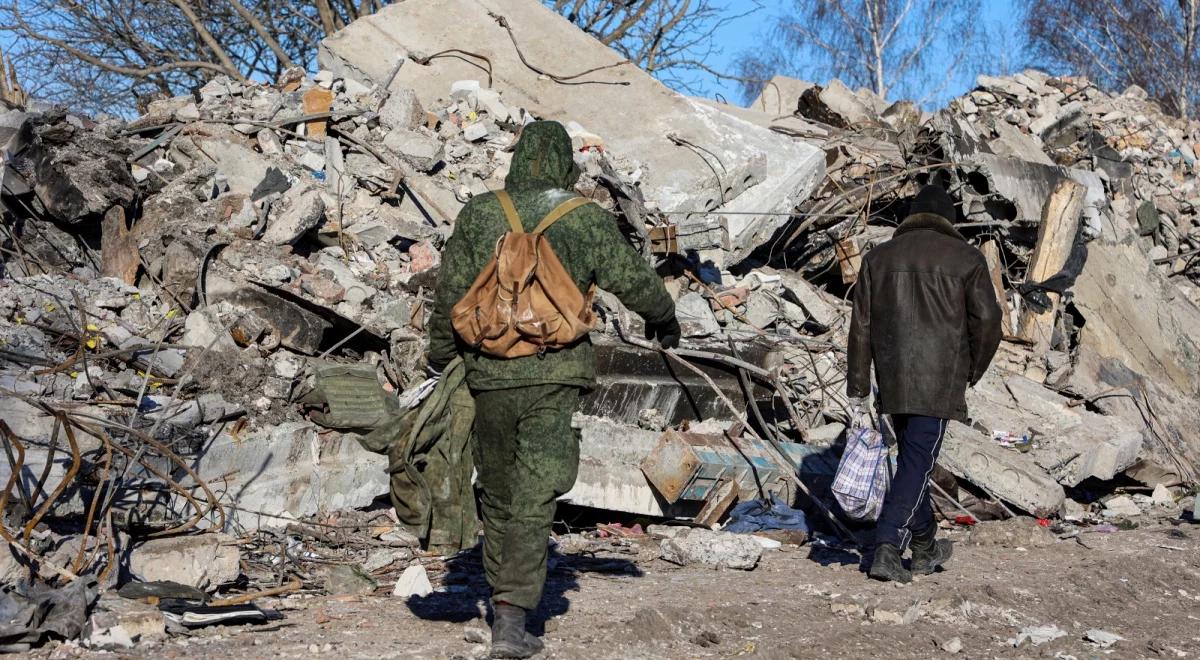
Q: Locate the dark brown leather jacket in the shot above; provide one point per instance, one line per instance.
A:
(926, 313)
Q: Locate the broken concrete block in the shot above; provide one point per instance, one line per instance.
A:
(414, 581)
(1121, 506)
(79, 179)
(187, 113)
(695, 316)
(288, 470)
(299, 211)
(313, 161)
(488, 100)
(348, 580)
(118, 619)
(245, 171)
(421, 151)
(476, 132)
(1162, 497)
(203, 330)
(714, 549)
(1038, 635)
(1102, 638)
(836, 105)
(1009, 475)
(638, 121)
(780, 95)
(204, 561)
(402, 110)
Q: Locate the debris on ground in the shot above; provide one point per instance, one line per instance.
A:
(206, 311)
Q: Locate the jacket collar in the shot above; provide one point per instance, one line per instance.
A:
(930, 221)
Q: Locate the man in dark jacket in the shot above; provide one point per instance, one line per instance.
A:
(926, 314)
(526, 452)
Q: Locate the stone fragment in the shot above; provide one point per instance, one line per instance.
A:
(423, 257)
(204, 561)
(475, 634)
(244, 170)
(1102, 638)
(488, 100)
(300, 211)
(81, 178)
(417, 149)
(348, 580)
(202, 329)
(414, 581)
(1038, 635)
(188, 113)
(1121, 506)
(475, 132)
(695, 315)
(402, 110)
(1162, 497)
(714, 549)
(952, 646)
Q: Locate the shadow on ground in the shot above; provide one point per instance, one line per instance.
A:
(467, 595)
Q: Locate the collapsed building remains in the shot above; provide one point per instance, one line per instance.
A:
(175, 288)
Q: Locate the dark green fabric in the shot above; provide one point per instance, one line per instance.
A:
(586, 240)
(348, 397)
(430, 464)
(527, 455)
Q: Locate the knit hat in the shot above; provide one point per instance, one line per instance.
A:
(933, 199)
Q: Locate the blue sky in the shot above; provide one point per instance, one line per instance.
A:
(1000, 20)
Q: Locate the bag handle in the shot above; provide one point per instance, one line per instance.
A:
(510, 212)
(559, 211)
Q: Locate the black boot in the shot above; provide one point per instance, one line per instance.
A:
(929, 554)
(887, 565)
(509, 637)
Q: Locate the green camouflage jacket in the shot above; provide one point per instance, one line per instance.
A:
(586, 240)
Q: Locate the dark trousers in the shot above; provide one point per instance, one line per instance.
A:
(527, 455)
(906, 508)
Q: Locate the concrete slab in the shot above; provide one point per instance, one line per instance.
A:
(1003, 473)
(632, 111)
(780, 95)
(1073, 444)
(288, 472)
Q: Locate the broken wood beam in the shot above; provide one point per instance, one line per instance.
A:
(1056, 234)
(991, 253)
(119, 256)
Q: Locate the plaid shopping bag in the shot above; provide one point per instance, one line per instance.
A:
(863, 475)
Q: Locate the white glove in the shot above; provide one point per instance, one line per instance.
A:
(858, 410)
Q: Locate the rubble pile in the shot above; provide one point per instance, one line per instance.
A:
(204, 309)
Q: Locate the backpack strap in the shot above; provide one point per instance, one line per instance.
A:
(510, 212)
(559, 211)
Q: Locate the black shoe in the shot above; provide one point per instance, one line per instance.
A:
(887, 565)
(509, 637)
(928, 556)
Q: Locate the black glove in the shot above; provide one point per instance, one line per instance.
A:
(667, 333)
(434, 370)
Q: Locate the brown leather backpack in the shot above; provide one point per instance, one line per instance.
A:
(524, 301)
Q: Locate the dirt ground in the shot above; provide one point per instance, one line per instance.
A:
(619, 600)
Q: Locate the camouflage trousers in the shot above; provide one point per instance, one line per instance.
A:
(527, 455)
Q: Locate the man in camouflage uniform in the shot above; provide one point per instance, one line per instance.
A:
(526, 452)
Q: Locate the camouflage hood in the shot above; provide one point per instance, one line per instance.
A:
(543, 156)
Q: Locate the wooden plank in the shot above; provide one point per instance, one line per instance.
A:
(849, 256)
(991, 253)
(1060, 224)
(118, 249)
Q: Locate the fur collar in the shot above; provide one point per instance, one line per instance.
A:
(930, 221)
